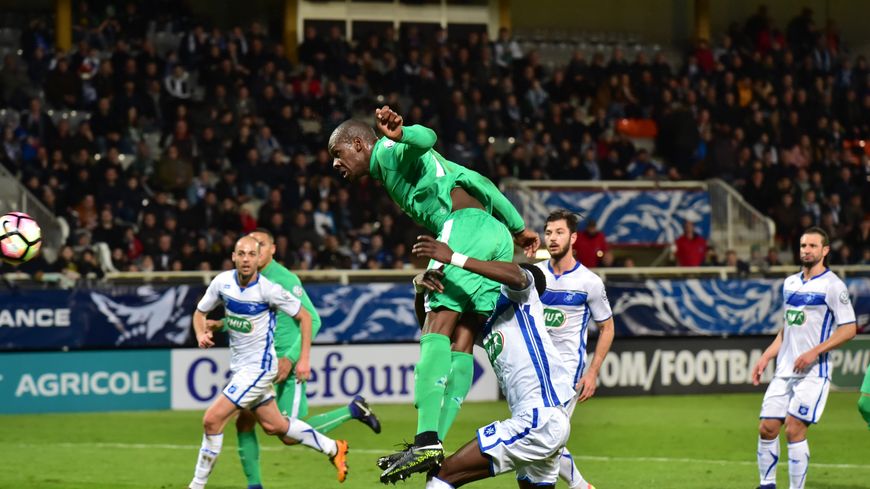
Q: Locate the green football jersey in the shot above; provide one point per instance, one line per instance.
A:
(420, 180)
(286, 328)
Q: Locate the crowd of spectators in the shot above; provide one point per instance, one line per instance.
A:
(186, 149)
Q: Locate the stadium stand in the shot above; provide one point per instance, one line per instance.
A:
(164, 138)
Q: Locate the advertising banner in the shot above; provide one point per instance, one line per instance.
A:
(131, 317)
(84, 381)
(709, 365)
(711, 306)
(120, 316)
(380, 373)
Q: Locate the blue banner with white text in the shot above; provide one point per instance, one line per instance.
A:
(131, 317)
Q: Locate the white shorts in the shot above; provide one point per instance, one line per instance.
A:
(530, 443)
(249, 388)
(572, 404)
(801, 397)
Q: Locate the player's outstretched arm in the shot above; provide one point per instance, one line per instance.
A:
(506, 273)
(843, 334)
(768, 355)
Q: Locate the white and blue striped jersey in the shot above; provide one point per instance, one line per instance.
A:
(527, 365)
(250, 317)
(571, 300)
(813, 310)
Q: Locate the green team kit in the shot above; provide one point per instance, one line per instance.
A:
(420, 181)
(864, 400)
(290, 394)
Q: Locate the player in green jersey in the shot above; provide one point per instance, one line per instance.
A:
(465, 210)
(293, 347)
(864, 400)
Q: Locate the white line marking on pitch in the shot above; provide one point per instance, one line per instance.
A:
(593, 458)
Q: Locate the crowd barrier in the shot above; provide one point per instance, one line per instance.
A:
(160, 315)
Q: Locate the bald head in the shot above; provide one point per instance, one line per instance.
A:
(248, 243)
(351, 145)
(349, 130)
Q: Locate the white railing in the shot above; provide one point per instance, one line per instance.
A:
(16, 197)
(740, 225)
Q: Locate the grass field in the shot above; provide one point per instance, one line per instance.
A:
(626, 442)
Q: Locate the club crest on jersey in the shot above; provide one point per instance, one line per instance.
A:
(238, 324)
(553, 318)
(389, 143)
(493, 344)
(844, 297)
(489, 430)
(297, 291)
(793, 317)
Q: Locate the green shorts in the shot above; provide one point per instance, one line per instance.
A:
(291, 398)
(474, 233)
(289, 394)
(865, 386)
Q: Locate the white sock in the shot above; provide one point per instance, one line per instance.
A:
(208, 453)
(308, 436)
(768, 456)
(798, 464)
(569, 472)
(436, 483)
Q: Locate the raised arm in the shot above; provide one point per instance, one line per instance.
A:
(418, 139)
(506, 273)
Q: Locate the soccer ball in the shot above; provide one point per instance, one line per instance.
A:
(20, 238)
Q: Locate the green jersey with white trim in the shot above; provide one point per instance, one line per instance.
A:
(420, 180)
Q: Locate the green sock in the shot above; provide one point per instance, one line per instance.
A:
(249, 454)
(330, 420)
(458, 385)
(430, 380)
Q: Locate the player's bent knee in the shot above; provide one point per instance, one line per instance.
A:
(795, 430)
(768, 429)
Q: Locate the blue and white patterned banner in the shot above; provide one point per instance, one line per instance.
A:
(711, 307)
(624, 216)
(126, 317)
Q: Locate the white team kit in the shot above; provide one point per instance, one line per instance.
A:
(250, 318)
(813, 309)
(537, 386)
(571, 299)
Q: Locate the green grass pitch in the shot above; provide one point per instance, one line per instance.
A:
(619, 442)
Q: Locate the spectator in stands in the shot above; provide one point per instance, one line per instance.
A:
(690, 248)
(591, 245)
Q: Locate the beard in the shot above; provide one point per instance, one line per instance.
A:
(561, 252)
(811, 262)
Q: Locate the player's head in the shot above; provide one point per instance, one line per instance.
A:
(560, 233)
(351, 146)
(246, 255)
(267, 245)
(814, 247)
(540, 279)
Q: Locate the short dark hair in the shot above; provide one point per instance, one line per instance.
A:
(821, 232)
(569, 217)
(540, 279)
(266, 232)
